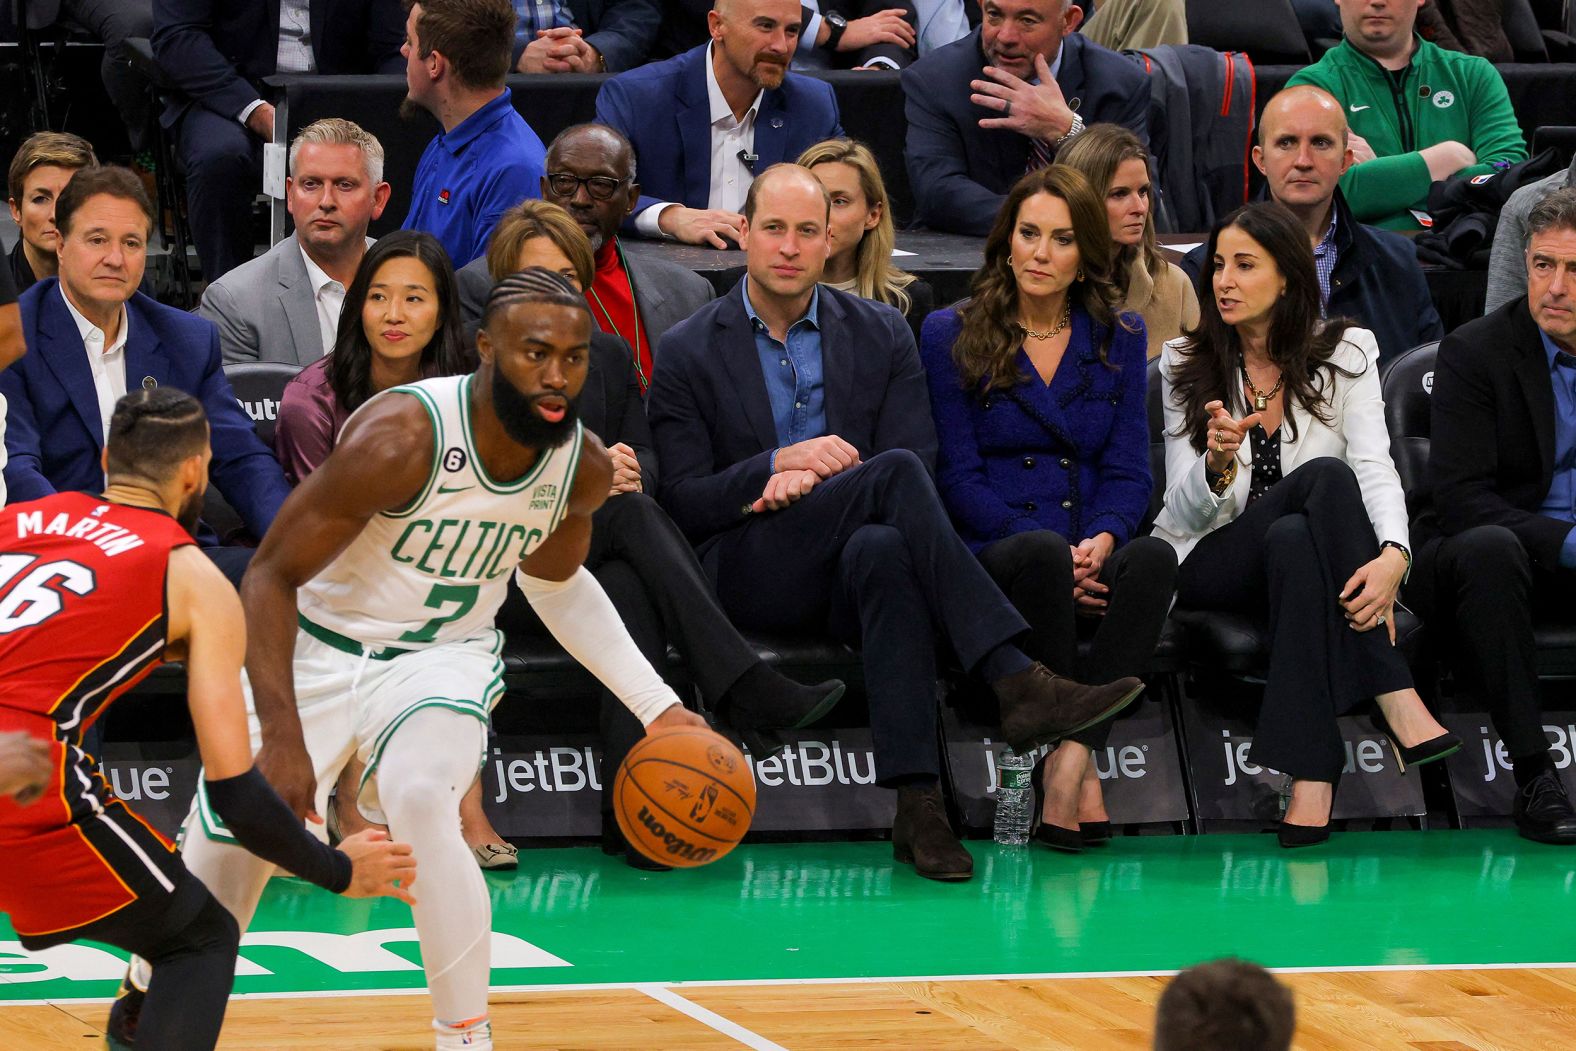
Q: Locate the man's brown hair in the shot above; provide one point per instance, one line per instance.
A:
(476, 36)
(100, 179)
(1225, 1005)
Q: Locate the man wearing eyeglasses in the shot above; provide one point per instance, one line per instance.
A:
(591, 175)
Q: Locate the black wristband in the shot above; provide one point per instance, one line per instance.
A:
(264, 825)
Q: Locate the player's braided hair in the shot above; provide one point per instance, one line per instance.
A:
(533, 285)
(152, 430)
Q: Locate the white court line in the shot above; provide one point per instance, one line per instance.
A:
(1026, 976)
(712, 1019)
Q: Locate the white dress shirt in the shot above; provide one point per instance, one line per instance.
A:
(108, 364)
(730, 136)
(293, 53)
(329, 295)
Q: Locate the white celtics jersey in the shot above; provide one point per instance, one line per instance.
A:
(436, 570)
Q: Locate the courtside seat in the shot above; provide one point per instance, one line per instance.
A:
(1407, 384)
(259, 386)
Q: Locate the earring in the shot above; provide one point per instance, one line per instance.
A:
(1079, 276)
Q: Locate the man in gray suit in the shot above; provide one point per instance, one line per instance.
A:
(591, 175)
(284, 305)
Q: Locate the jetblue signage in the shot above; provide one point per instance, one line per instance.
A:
(823, 781)
(160, 790)
(1480, 773)
(1231, 787)
(1139, 767)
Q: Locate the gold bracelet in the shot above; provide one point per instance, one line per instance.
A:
(1223, 482)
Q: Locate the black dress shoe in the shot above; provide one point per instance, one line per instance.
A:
(1040, 707)
(1543, 811)
(1095, 833)
(922, 836)
(614, 845)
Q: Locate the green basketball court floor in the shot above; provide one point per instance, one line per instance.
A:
(820, 911)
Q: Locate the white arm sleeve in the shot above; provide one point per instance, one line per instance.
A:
(580, 616)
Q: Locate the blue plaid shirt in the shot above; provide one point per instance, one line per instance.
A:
(1324, 260)
(533, 15)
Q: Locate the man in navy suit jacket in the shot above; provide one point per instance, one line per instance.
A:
(704, 122)
(972, 134)
(91, 336)
(217, 53)
(792, 422)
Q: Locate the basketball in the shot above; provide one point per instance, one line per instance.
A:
(684, 797)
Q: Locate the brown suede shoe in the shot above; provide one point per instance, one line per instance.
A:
(1040, 707)
(922, 837)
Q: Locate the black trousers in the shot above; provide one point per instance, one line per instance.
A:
(1480, 590)
(190, 941)
(651, 576)
(1035, 570)
(224, 172)
(1284, 561)
(871, 554)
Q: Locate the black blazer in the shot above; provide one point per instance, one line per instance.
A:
(711, 418)
(960, 172)
(684, 27)
(610, 406)
(218, 51)
(1491, 459)
(622, 30)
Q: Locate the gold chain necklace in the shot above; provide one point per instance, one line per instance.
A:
(1261, 399)
(1067, 316)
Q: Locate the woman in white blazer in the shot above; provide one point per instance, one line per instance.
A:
(1282, 503)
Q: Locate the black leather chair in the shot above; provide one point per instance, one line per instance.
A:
(1407, 384)
(1266, 29)
(258, 386)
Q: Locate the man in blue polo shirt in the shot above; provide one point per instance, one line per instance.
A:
(486, 159)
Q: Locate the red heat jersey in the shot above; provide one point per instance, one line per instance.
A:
(82, 620)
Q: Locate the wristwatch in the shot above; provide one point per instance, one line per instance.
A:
(839, 25)
(1073, 132)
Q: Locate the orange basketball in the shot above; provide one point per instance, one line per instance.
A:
(684, 797)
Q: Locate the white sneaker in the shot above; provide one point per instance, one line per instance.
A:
(473, 1035)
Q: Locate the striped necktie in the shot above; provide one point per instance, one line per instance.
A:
(1041, 155)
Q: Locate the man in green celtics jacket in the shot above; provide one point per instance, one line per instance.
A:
(1418, 113)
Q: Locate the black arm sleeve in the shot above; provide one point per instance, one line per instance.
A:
(263, 824)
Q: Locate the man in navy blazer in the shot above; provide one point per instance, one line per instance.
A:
(91, 336)
(217, 53)
(984, 109)
(705, 121)
(792, 422)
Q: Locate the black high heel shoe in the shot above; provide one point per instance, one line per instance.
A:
(1292, 836)
(1066, 840)
(1435, 748)
(1095, 833)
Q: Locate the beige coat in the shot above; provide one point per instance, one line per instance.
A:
(1167, 307)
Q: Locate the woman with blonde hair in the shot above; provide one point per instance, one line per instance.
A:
(1037, 388)
(1117, 165)
(862, 231)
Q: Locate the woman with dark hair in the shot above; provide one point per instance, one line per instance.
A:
(1116, 163)
(1037, 387)
(400, 323)
(1282, 503)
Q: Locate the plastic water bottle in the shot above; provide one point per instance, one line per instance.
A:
(1014, 797)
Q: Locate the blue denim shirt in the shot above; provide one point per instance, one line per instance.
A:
(1561, 501)
(793, 373)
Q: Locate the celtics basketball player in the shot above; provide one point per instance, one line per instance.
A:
(370, 610)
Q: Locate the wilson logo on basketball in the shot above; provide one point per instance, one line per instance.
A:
(675, 845)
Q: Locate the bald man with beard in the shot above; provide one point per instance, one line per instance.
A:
(703, 123)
